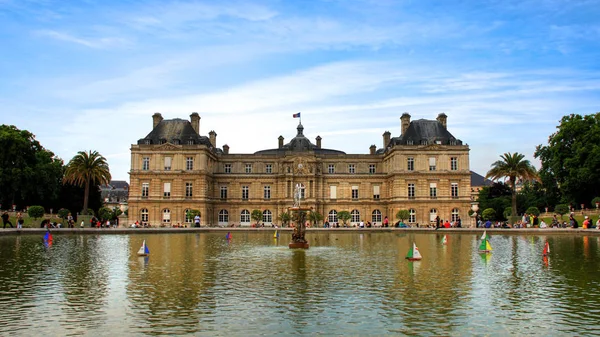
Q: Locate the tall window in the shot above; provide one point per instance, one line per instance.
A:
(433, 190)
(168, 163)
(432, 214)
(453, 163)
(167, 190)
(248, 168)
(332, 192)
(245, 192)
(332, 216)
(227, 168)
(371, 168)
(432, 164)
(269, 168)
(376, 192)
(411, 191)
(188, 216)
(166, 216)
(351, 168)
(189, 163)
(189, 190)
(355, 216)
(412, 215)
(376, 216)
(410, 164)
(267, 216)
(267, 192)
(330, 168)
(223, 192)
(454, 190)
(354, 192)
(145, 163)
(145, 190)
(223, 215)
(245, 216)
(455, 214)
(144, 214)
(302, 192)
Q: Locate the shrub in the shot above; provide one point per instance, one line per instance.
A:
(533, 210)
(63, 213)
(507, 212)
(402, 215)
(561, 209)
(488, 214)
(105, 213)
(35, 212)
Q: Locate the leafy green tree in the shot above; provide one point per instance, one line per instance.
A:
(571, 159)
(87, 168)
(63, 213)
(117, 211)
(105, 213)
(344, 216)
(314, 217)
(496, 196)
(514, 167)
(35, 212)
(191, 213)
(533, 210)
(256, 215)
(29, 174)
(561, 209)
(507, 212)
(489, 214)
(402, 214)
(285, 218)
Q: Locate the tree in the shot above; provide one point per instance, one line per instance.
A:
(256, 215)
(29, 174)
(87, 168)
(507, 212)
(533, 210)
(561, 209)
(314, 217)
(496, 196)
(35, 212)
(488, 214)
(117, 211)
(571, 159)
(344, 216)
(105, 213)
(285, 218)
(63, 213)
(402, 214)
(514, 167)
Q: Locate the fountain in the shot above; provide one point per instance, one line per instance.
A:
(298, 240)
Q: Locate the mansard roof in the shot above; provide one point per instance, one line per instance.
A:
(299, 144)
(175, 131)
(424, 131)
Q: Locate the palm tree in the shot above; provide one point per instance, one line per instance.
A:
(87, 168)
(514, 167)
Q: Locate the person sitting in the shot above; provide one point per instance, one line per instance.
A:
(543, 224)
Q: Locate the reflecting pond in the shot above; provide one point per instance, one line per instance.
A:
(345, 284)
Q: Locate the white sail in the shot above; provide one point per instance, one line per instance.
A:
(142, 250)
(483, 236)
(416, 253)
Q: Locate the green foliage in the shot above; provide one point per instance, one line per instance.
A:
(285, 218)
(117, 211)
(105, 213)
(507, 212)
(489, 214)
(127, 212)
(594, 201)
(191, 213)
(402, 215)
(35, 212)
(561, 209)
(496, 196)
(29, 174)
(533, 210)
(513, 167)
(535, 194)
(63, 213)
(256, 215)
(314, 217)
(571, 159)
(344, 216)
(85, 169)
(89, 211)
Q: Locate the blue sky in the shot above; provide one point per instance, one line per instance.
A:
(87, 75)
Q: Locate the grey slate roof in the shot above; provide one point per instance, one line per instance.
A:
(424, 131)
(175, 131)
(115, 191)
(299, 144)
(479, 180)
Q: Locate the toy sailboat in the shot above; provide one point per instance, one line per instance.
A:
(228, 236)
(144, 251)
(485, 246)
(276, 235)
(414, 254)
(445, 240)
(546, 249)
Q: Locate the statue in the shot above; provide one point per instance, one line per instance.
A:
(297, 194)
(298, 240)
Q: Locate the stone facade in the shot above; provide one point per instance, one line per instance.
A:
(425, 170)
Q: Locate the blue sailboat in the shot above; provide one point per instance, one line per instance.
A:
(144, 251)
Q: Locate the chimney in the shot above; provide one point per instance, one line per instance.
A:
(318, 142)
(195, 121)
(442, 118)
(404, 122)
(280, 141)
(386, 139)
(372, 149)
(226, 149)
(156, 118)
(212, 135)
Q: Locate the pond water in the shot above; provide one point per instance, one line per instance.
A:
(345, 284)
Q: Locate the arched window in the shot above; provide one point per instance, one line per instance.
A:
(188, 216)
(267, 216)
(144, 214)
(223, 215)
(333, 216)
(412, 216)
(245, 216)
(376, 216)
(355, 216)
(166, 216)
(432, 214)
(455, 214)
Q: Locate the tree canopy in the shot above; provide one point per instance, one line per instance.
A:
(87, 168)
(571, 160)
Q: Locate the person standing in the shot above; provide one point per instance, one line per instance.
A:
(386, 222)
(19, 220)
(197, 220)
(5, 219)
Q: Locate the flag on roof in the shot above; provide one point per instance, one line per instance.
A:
(296, 115)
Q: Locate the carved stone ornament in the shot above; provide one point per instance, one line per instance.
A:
(301, 167)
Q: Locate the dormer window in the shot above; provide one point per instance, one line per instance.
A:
(162, 141)
(438, 142)
(190, 142)
(423, 141)
(409, 142)
(147, 141)
(453, 142)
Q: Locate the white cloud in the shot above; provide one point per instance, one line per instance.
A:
(98, 42)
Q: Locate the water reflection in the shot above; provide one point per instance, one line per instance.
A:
(345, 284)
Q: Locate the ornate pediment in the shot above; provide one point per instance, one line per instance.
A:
(302, 167)
(167, 147)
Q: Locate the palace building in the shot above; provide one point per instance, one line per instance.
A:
(424, 169)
